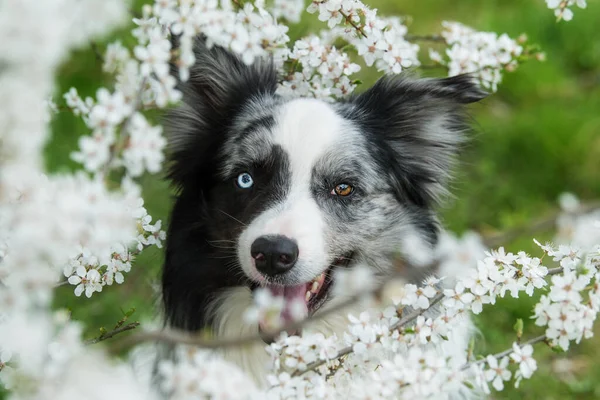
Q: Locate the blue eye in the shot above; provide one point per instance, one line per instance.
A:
(245, 181)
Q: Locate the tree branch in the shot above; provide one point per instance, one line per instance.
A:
(540, 225)
(97, 52)
(173, 336)
(425, 38)
(348, 19)
(113, 333)
(541, 338)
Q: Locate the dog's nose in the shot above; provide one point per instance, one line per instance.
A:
(274, 255)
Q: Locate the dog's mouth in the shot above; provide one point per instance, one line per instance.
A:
(303, 300)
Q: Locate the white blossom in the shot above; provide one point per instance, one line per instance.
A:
(484, 54)
(497, 372)
(115, 57)
(523, 356)
(109, 111)
(144, 150)
(562, 10)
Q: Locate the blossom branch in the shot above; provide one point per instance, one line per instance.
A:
(358, 28)
(535, 340)
(113, 333)
(540, 225)
(425, 38)
(173, 336)
(400, 324)
(117, 148)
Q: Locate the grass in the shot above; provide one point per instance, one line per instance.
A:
(537, 137)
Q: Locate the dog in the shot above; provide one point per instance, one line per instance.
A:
(281, 193)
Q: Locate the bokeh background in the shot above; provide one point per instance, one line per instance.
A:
(537, 137)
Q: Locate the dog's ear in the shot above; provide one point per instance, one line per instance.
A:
(219, 85)
(417, 127)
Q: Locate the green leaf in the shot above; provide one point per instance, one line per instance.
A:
(518, 327)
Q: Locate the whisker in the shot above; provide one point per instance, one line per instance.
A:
(224, 247)
(223, 257)
(212, 243)
(231, 216)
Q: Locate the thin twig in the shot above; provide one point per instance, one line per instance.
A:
(540, 225)
(97, 52)
(173, 336)
(555, 271)
(541, 338)
(113, 333)
(425, 38)
(349, 20)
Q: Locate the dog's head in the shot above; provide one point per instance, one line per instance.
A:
(277, 192)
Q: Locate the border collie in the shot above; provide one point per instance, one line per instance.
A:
(280, 193)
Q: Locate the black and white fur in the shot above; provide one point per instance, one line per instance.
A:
(394, 143)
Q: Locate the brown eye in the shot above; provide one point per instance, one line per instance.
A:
(343, 189)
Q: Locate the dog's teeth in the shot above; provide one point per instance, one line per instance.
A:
(315, 287)
(307, 297)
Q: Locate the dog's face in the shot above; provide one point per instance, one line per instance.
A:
(282, 192)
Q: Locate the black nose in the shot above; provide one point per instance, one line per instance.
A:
(274, 254)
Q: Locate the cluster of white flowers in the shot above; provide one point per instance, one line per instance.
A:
(115, 121)
(44, 219)
(569, 309)
(47, 360)
(247, 29)
(562, 10)
(318, 70)
(457, 253)
(199, 374)
(266, 311)
(289, 10)
(89, 269)
(380, 41)
(484, 54)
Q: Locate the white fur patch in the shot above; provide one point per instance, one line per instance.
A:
(229, 322)
(306, 129)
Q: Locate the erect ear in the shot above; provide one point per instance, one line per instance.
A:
(219, 87)
(416, 127)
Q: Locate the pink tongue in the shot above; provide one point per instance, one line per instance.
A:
(295, 307)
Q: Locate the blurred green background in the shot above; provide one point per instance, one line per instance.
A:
(535, 138)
